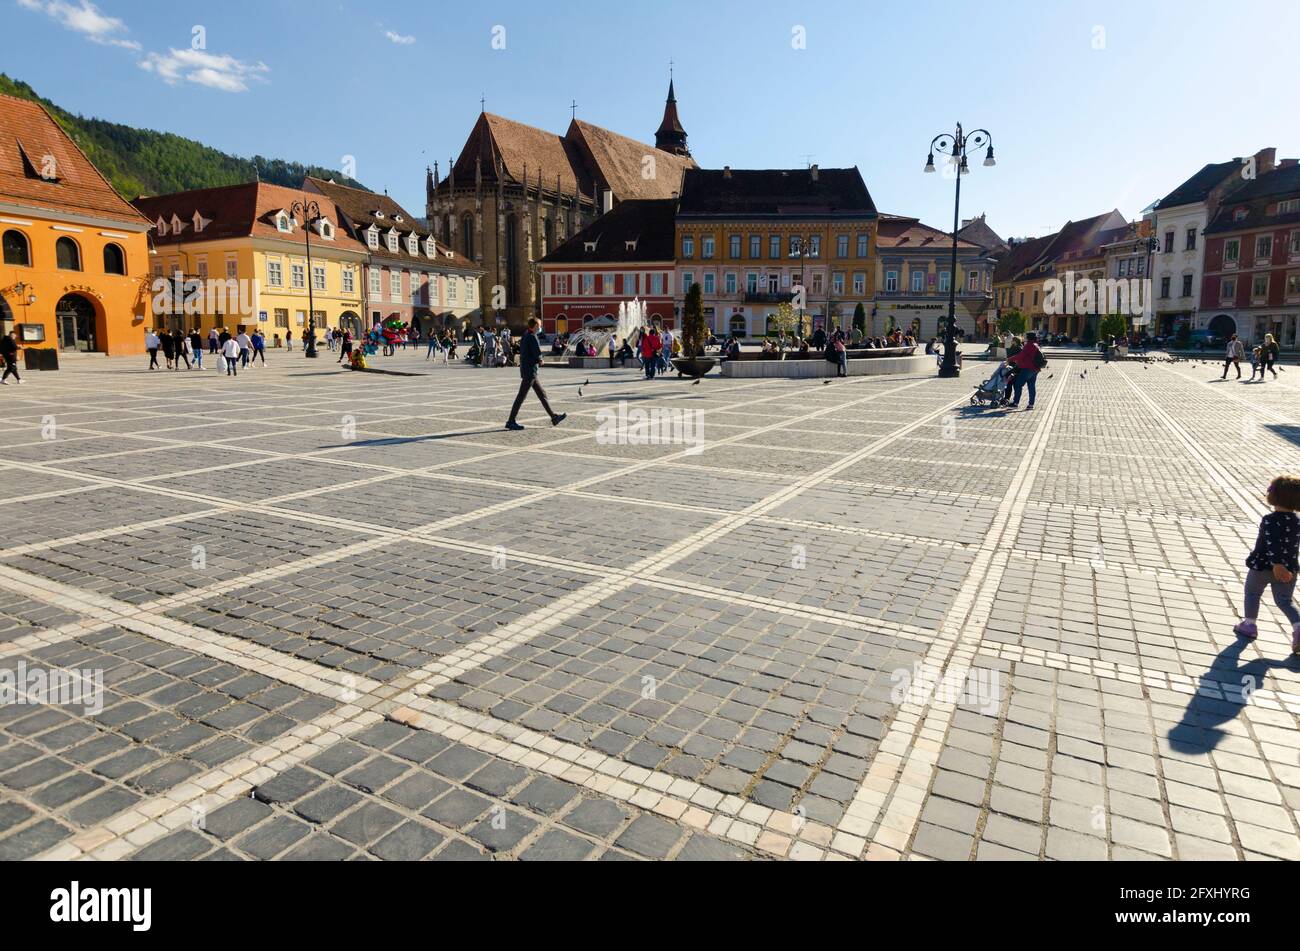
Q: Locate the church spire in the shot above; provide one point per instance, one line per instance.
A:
(671, 137)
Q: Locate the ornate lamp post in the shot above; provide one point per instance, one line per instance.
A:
(310, 211)
(955, 145)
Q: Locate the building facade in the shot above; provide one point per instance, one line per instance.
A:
(75, 254)
(754, 239)
(517, 192)
(913, 275)
(1252, 260)
(1178, 221)
(410, 276)
(623, 256)
(239, 254)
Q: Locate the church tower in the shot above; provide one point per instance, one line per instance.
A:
(671, 137)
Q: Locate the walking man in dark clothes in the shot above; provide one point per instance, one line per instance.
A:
(530, 360)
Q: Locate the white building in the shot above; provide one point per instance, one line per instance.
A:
(1178, 223)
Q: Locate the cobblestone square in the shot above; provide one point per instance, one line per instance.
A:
(340, 615)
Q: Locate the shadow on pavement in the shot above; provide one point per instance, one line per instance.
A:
(1198, 732)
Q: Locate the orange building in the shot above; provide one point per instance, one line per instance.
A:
(76, 255)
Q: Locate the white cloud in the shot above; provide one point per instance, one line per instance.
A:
(216, 71)
(85, 18)
(399, 39)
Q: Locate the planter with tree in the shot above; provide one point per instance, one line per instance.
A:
(695, 331)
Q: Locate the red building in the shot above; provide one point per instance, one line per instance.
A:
(1252, 260)
(623, 255)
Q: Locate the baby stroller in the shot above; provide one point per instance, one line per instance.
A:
(992, 392)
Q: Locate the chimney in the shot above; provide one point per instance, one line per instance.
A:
(607, 202)
(726, 172)
(1288, 163)
(1265, 160)
(814, 170)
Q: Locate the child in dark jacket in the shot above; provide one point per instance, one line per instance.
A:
(1273, 562)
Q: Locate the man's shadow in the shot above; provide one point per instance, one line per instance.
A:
(1198, 732)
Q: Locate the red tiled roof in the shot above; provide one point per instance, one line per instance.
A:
(239, 211)
(28, 134)
(898, 233)
(620, 161)
(359, 207)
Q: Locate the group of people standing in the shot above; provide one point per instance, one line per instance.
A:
(177, 346)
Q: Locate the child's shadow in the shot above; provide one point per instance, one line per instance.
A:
(1198, 731)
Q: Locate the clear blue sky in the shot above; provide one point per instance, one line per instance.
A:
(1078, 130)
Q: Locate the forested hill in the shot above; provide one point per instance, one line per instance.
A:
(145, 162)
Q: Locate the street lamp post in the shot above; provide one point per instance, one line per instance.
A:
(310, 211)
(955, 145)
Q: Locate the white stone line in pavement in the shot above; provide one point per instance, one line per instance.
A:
(1219, 477)
(887, 807)
(292, 669)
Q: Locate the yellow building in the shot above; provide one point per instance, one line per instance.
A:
(241, 253)
(752, 238)
(75, 261)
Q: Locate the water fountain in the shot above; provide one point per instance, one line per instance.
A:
(631, 318)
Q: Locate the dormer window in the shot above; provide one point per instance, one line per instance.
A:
(379, 214)
(397, 217)
(177, 225)
(161, 226)
(283, 223)
(412, 245)
(589, 245)
(372, 238)
(430, 249)
(325, 229)
(392, 241)
(200, 222)
(629, 245)
(1239, 214)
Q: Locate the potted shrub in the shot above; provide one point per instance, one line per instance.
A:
(695, 332)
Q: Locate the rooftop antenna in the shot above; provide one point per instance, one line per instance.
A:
(807, 158)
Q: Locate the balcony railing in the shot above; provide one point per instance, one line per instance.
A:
(768, 297)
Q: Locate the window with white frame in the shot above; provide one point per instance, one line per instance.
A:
(943, 281)
(1227, 289)
(918, 281)
(1295, 242)
(774, 246)
(392, 241)
(274, 272)
(232, 267)
(412, 245)
(837, 279)
(1259, 287)
(688, 246)
(1232, 249)
(452, 281)
(842, 246)
(973, 281)
(859, 283)
(1264, 246)
(470, 291)
(589, 284)
(415, 287)
(297, 276)
(751, 283)
(1290, 206)
(710, 283)
(815, 245)
(755, 246)
(729, 283)
(349, 281)
(395, 285)
(688, 278)
(706, 247)
(318, 277)
(656, 284)
(376, 288)
(891, 281)
(864, 242)
(372, 239)
(282, 223)
(734, 241)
